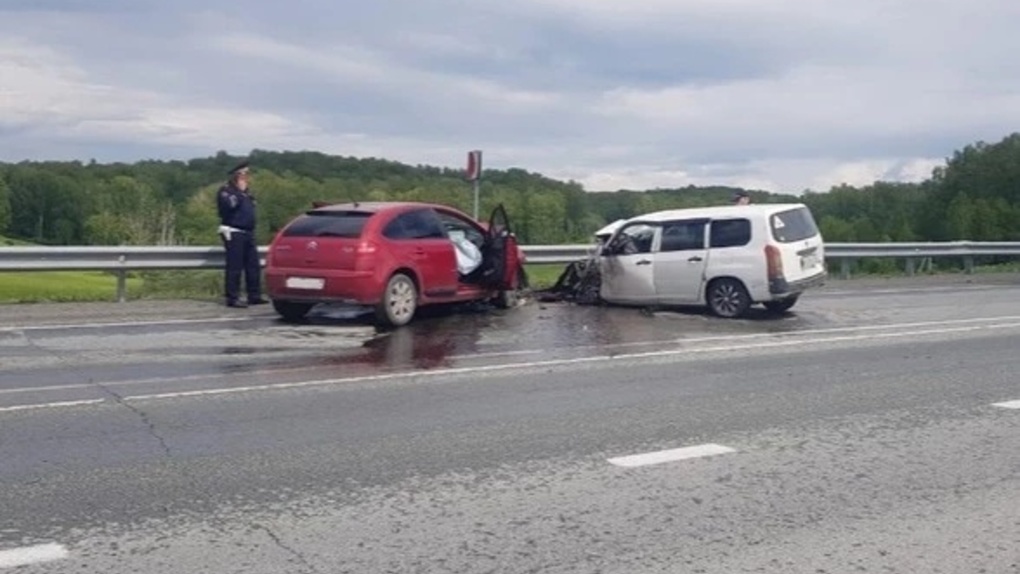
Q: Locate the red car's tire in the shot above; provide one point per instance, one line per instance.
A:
(399, 301)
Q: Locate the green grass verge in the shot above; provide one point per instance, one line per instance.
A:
(198, 284)
(8, 242)
(1004, 268)
(543, 275)
(62, 286)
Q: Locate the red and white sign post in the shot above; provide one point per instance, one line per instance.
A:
(473, 173)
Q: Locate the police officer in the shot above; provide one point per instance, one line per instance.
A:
(741, 197)
(237, 230)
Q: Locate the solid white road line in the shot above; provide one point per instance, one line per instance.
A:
(662, 342)
(1008, 405)
(806, 343)
(557, 363)
(45, 327)
(672, 455)
(51, 405)
(31, 555)
(906, 290)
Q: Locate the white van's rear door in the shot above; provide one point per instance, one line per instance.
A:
(800, 244)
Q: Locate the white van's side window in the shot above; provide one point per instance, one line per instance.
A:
(730, 232)
(683, 235)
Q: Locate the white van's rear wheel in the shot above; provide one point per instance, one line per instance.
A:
(728, 298)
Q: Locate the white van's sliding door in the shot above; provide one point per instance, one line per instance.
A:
(680, 261)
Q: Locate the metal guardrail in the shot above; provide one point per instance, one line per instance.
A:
(104, 258)
(121, 260)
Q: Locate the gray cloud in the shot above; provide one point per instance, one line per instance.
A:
(774, 93)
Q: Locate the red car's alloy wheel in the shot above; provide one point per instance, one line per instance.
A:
(399, 302)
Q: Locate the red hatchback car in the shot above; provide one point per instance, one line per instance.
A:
(395, 256)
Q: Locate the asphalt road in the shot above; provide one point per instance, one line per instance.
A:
(874, 429)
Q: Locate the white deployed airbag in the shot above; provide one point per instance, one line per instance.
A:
(469, 257)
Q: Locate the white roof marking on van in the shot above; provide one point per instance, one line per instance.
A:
(716, 212)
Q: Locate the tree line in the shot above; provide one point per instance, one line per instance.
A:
(975, 195)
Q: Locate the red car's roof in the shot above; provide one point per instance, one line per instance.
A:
(375, 206)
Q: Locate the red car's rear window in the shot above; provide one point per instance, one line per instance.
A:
(328, 224)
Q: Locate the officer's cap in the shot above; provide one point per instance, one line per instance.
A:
(243, 166)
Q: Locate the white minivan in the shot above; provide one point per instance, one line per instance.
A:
(728, 258)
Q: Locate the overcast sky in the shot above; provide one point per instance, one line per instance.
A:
(782, 95)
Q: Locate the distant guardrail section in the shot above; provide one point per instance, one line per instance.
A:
(124, 259)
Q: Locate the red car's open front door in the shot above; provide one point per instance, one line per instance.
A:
(501, 261)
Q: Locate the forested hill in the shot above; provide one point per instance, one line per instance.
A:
(975, 195)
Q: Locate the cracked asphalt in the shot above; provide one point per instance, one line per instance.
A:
(874, 429)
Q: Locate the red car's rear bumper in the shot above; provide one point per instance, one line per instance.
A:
(324, 285)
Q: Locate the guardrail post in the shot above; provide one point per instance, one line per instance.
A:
(122, 281)
(121, 286)
(910, 266)
(968, 264)
(844, 267)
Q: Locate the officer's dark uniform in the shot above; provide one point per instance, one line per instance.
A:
(237, 212)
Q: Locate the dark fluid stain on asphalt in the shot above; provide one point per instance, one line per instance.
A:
(425, 346)
(435, 339)
(440, 336)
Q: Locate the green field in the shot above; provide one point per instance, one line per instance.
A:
(8, 242)
(41, 286)
(543, 275)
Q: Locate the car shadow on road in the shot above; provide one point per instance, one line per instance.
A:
(364, 316)
(757, 314)
(438, 336)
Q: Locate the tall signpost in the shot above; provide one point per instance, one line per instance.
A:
(474, 173)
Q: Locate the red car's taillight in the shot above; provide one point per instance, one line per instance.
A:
(365, 255)
(366, 247)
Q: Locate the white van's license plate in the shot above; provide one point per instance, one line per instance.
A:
(305, 283)
(809, 261)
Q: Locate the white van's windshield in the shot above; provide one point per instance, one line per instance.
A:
(793, 225)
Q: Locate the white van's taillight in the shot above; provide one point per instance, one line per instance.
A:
(774, 262)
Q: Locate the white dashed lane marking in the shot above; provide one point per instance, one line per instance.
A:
(672, 455)
(31, 555)
(1008, 405)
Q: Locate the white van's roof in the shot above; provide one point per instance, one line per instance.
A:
(610, 229)
(716, 211)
